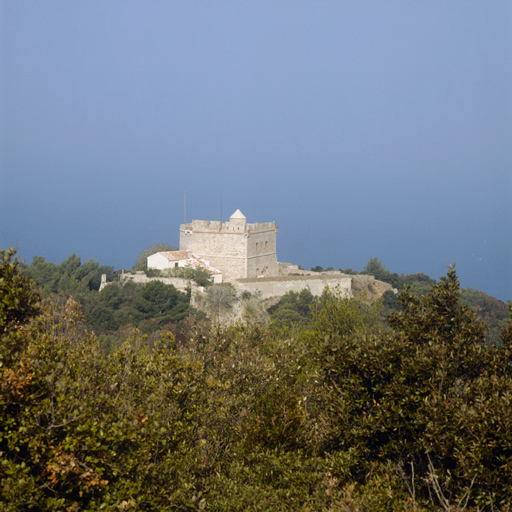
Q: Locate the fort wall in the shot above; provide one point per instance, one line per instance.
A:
(224, 250)
(235, 247)
(141, 278)
(270, 287)
(261, 253)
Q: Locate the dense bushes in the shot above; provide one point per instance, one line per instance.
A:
(429, 397)
(293, 308)
(81, 433)
(344, 414)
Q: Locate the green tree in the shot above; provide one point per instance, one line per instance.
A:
(423, 394)
(390, 301)
(335, 315)
(78, 432)
(293, 307)
(375, 267)
(343, 414)
(285, 317)
(112, 295)
(19, 301)
(161, 301)
(421, 288)
(70, 277)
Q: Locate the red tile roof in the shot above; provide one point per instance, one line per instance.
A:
(176, 255)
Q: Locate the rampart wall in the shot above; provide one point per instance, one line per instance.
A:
(277, 286)
(142, 278)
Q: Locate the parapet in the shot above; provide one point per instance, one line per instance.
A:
(261, 226)
(216, 226)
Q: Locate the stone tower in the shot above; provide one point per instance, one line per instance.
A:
(235, 247)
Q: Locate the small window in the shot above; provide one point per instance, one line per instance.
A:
(257, 247)
(266, 246)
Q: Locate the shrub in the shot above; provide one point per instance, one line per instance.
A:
(430, 396)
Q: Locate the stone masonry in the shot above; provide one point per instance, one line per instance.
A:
(240, 250)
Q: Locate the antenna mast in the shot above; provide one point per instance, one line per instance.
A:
(185, 206)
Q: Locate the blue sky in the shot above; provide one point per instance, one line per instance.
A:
(363, 129)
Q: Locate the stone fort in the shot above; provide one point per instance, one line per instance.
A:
(246, 255)
(237, 248)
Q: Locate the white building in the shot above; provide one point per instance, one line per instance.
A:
(176, 259)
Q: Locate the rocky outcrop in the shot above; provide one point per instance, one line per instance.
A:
(369, 287)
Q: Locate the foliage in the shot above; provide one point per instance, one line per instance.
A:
(79, 433)
(489, 309)
(420, 283)
(376, 268)
(293, 308)
(390, 301)
(341, 415)
(149, 307)
(159, 300)
(71, 276)
(286, 317)
(415, 397)
(199, 275)
(153, 272)
(335, 315)
(18, 299)
(141, 262)
(318, 268)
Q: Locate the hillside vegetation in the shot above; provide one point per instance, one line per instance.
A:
(116, 310)
(345, 413)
